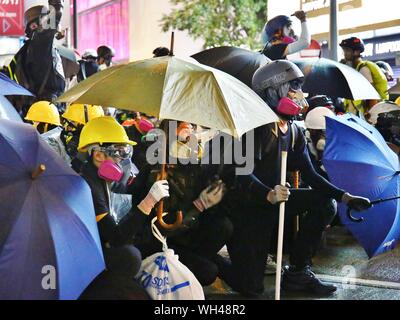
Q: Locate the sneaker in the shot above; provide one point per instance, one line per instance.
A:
(270, 266)
(305, 281)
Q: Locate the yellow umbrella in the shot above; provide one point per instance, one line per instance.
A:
(176, 89)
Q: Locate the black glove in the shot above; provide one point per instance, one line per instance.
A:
(356, 203)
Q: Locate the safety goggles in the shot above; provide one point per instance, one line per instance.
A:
(120, 151)
(296, 84)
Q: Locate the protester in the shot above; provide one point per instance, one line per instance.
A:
(44, 116)
(107, 145)
(255, 211)
(320, 101)
(137, 127)
(315, 123)
(388, 124)
(279, 39)
(353, 48)
(105, 54)
(88, 65)
(205, 230)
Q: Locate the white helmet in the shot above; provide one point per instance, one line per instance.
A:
(34, 8)
(381, 107)
(28, 4)
(89, 53)
(315, 119)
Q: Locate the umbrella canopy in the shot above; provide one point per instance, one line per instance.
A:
(69, 60)
(48, 221)
(334, 79)
(358, 160)
(238, 62)
(7, 110)
(176, 89)
(9, 87)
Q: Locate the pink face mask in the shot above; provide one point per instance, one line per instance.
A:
(110, 171)
(288, 40)
(288, 107)
(145, 125)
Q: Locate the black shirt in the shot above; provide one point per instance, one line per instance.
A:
(111, 232)
(269, 142)
(275, 51)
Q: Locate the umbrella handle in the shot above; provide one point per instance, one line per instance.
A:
(351, 217)
(163, 224)
(160, 209)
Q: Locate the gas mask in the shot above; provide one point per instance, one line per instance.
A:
(110, 171)
(288, 107)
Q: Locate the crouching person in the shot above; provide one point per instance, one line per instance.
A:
(107, 145)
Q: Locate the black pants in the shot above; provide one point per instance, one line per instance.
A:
(198, 247)
(254, 226)
(118, 282)
(125, 260)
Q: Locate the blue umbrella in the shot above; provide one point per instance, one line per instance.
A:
(7, 110)
(358, 160)
(9, 87)
(49, 242)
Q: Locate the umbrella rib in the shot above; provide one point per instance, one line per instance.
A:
(227, 110)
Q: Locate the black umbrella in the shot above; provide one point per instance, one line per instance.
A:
(334, 79)
(69, 61)
(240, 63)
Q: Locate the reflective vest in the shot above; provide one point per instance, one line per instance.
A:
(379, 80)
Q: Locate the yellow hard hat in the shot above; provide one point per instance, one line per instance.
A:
(45, 112)
(103, 130)
(76, 112)
(397, 101)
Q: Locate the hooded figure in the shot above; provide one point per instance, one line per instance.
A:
(254, 205)
(38, 66)
(279, 39)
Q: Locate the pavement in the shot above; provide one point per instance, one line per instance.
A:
(342, 261)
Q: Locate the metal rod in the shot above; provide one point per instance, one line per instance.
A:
(171, 51)
(75, 23)
(333, 33)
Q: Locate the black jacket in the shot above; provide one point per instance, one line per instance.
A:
(266, 174)
(111, 232)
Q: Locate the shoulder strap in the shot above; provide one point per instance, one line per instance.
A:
(361, 65)
(295, 134)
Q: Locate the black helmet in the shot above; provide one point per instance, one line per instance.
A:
(161, 52)
(353, 43)
(388, 124)
(319, 101)
(105, 52)
(274, 74)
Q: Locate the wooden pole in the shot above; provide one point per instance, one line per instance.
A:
(280, 230)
